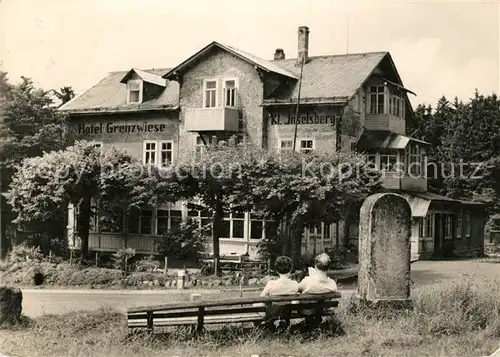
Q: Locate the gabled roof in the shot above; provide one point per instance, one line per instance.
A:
(146, 77)
(110, 96)
(328, 76)
(375, 139)
(267, 66)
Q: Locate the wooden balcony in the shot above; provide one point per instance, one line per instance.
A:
(386, 122)
(211, 119)
(396, 181)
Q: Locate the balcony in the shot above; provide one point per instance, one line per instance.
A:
(398, 181)
(211, 119)
(385, 122)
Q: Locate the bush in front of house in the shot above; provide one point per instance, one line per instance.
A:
(122, 259)
(182, 242)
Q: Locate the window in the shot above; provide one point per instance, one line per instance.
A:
(448, 227)
(459, 222)
(260, 228)
(134, 221)
(467, 225)
(415, 161)
(167, 218)
(97, 144)
(376, 96)
(158, 152)
(199, 148)
(204, 219)
(428, 226)
(146, 221)
(210, 94)
(286, 144)
(134, 89)
(306, 146)
(166, 152)
(233, 225)
(397, 103)
(388, 162)
(150, 152)
(231, 93)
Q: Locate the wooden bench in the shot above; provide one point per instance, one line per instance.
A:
(225, 311)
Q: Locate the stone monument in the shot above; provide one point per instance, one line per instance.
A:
(384, 250)
(11, 300)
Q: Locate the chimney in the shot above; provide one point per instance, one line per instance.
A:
(303, 45)
(279, 54)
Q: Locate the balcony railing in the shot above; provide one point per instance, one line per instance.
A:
(211, 119)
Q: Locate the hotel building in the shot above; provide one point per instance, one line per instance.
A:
(347, 102)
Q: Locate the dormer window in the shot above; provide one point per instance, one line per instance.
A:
(134, 90)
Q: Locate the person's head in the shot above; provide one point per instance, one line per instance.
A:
(322, 262)
(283, 265)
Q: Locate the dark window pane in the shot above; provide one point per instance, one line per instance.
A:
(238, 228)
(193, 213)
(162, 213)
(270, 229)
(175, 222)
(162, 225)
(225, 230)
(175, 213)
(256, 229)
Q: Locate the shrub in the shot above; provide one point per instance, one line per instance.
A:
(182, 242)
(38, 278)
(24, 253)
(147, 264)
(121, 259)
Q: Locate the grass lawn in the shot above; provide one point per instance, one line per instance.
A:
(454, 316)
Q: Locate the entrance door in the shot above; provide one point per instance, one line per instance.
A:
(443, 234)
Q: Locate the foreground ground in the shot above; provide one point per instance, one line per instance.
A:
(47, 301)
(456, 315)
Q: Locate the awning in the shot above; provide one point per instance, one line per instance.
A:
(421, 201)
(375, 139)
(419, 206)
(397, 85)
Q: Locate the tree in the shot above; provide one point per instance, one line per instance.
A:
(214, 181)
(65, 94)
(43, 186)
(303, 189)
(308, 189)
(30, 125)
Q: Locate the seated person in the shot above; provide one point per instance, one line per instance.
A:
(317, 282)
(281, 286)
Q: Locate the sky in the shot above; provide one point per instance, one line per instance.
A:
(440, 48)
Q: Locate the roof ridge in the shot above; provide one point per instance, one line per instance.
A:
(145, 70)
(335, 55)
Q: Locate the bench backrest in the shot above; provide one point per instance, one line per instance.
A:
(302, 298)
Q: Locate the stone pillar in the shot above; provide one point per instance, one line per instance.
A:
(11, 300)
(384, 249)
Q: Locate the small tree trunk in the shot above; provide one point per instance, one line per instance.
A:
(84, 225)
(296, 240)
(217, 224)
